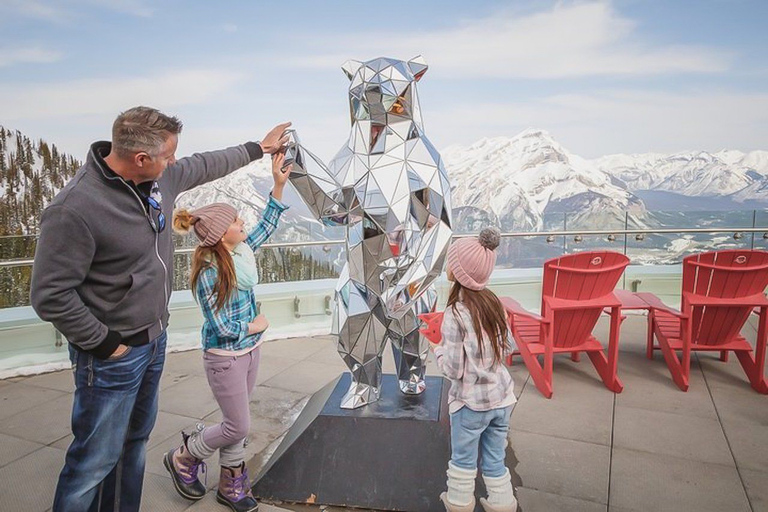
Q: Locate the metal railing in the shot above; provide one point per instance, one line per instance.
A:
(578, 235)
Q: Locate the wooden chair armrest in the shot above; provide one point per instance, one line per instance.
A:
(514, 307)
(608, 301)
(655, 304)
(756, 300)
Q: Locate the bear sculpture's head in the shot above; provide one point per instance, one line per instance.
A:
(383, 91)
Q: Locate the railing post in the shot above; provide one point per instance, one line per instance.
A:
(754, 225)
(565, 237)
(626, 226)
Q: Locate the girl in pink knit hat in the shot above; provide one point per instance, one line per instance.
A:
(223, 276)
(475, 335)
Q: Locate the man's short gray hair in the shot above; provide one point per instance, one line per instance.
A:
(142, 129)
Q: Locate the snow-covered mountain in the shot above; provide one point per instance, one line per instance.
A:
(755, 160)
(520, 180)
(510, 182)
(516, 183)
(728, 173)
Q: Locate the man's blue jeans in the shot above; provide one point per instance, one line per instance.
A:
(113, 413)
(483, 433)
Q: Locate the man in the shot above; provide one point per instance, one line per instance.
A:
(102, 275)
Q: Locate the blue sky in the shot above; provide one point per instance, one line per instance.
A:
(602, 77)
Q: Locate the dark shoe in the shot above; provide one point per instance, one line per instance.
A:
(184, 472)
(235, 490)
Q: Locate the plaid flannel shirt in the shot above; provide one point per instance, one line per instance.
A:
(476, 382)
(227, 328)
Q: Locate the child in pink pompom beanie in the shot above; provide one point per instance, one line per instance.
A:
(475, 336)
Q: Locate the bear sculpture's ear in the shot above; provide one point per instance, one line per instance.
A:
(350, 67)
(418, 67)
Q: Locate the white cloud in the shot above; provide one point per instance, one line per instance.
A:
(37, 9)
(568, 40)
(616, 121)
(132, 7)
(10, 56)
(68, 11)
(97, 96)
(565, 42)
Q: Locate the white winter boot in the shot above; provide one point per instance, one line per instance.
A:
(501, 496)
(461, 490)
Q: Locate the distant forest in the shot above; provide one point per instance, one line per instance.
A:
(33, 171)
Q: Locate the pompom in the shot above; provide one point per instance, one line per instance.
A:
(489, 238)
(183, 221)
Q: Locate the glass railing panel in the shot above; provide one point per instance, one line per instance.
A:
(301, 253)
(553, 222)
(13, 247)
(714, 219)
(599, 220)
(14, 286)
(759, 240)
(761, 218)
(278, 264)
(585, 242)
(527, 251)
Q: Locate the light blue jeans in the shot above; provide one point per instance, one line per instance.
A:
(483, 434)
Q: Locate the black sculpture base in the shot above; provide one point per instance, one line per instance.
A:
(390, 455)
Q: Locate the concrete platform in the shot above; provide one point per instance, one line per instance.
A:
(650, 448)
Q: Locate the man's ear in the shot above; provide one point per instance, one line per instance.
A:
(350, 68)
(140, 157)
(418, 67)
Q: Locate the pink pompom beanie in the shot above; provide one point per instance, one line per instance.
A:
(471, 259)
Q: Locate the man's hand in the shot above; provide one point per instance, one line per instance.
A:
(259, 324)
(274, 140)
(119, 351)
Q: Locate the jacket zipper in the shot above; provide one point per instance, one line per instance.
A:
(157, 237)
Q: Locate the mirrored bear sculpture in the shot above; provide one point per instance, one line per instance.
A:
(388, 187)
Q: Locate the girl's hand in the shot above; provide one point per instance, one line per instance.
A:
(434, 344)
(279, 175)
(259, 324)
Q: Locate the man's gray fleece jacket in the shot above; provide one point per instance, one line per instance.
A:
(101, 274)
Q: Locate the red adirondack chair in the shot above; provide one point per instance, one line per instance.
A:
(720, 290)
(576, 289)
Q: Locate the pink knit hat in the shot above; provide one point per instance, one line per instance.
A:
(210, 222)
(471, 260)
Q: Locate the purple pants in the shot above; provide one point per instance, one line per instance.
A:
(231, 380)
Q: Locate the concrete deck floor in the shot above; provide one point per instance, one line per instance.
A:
(651, 447)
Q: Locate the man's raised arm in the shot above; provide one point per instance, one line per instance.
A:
(200, 168)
